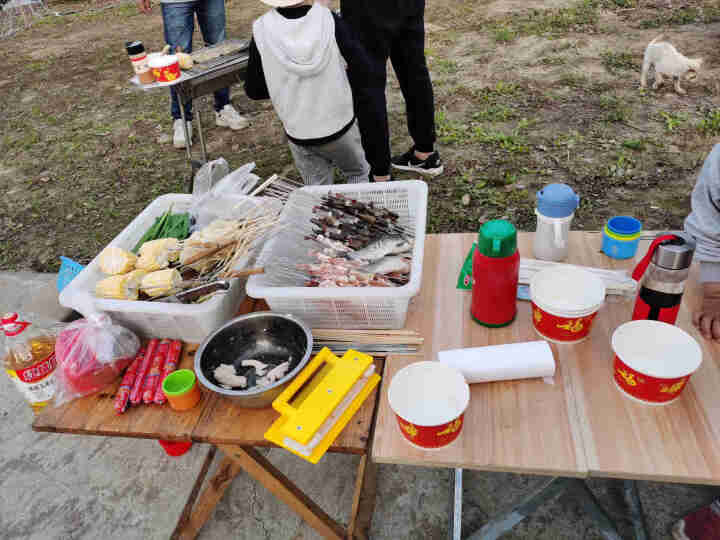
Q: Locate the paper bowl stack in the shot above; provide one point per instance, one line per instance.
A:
(565, 301)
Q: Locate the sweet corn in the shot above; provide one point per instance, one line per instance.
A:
(114, 260)
(134, 278)
(161, 282)
(157, 254)
(116, 288)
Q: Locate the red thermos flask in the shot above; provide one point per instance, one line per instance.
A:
(662, 274)
(496, 268)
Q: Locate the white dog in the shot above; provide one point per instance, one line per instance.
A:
(668, 62)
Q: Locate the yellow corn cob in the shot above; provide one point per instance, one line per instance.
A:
(134, 278)
(114, 260)
(157, 254)
(161, 282)
(116, 288)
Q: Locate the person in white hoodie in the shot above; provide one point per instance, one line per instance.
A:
(306, 61)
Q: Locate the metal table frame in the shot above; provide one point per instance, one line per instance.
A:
(205, 83)
(551, 489)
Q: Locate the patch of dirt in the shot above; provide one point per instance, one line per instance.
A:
(527, 93)
(504, 7)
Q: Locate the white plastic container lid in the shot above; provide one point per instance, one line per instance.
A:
(567, 291)
(657, 349)
(428, 393)
(162, 61)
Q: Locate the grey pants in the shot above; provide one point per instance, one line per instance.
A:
(317, 163)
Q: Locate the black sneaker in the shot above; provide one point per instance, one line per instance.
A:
(409, 162)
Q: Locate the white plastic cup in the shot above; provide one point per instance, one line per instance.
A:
(551, 237)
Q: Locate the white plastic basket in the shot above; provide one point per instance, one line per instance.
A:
(188, 322)
(341, 307)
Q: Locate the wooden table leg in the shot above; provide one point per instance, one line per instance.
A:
(189, 526)
(260, 468)
(363, 500)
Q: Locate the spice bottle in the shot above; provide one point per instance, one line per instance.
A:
(662, 274)
(496, 269)
(29, 357)
(139, 61)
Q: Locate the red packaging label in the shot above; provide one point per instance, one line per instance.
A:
(38, 371)
(431, 436)
(15, 328)
(566, 329)
(645, 387)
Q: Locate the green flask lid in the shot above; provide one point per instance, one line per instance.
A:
(497, 238)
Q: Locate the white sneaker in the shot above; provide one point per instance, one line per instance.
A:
(229, 117)
(179, 133)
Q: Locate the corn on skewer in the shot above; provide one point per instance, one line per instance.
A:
(114, 261)
(117, 288)
(158, 254)
(161, 282)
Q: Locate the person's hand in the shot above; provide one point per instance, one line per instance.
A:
(707, 319)
(144, 6)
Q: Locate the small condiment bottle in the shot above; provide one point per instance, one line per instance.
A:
(139, 61)
(556, 204)
(496, 269)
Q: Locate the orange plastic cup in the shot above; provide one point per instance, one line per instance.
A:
(181, 389)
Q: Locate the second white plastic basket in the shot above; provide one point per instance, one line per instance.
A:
(341, 307)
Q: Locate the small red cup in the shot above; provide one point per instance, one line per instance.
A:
(429, 400)
(165, 68)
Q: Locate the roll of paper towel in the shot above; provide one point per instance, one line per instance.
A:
(502, 362)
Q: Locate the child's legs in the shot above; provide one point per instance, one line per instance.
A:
(314, 168)
(211, 18)
(178, 27)
(347, 154)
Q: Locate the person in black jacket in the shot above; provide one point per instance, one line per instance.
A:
(306, 60)
(395, 29)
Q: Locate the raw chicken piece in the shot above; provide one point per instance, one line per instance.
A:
(227, 377)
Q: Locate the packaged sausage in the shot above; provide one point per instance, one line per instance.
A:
(29, 356)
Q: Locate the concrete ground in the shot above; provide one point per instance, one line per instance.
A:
(72, 487)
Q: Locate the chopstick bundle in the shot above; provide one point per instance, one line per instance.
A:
(370, 341)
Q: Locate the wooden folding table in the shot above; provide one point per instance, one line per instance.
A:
(237, 432)
(580, 425)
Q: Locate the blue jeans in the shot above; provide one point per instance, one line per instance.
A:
(179, 25)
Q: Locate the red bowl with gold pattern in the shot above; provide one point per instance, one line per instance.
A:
(565, 301)
(429, 400)
(165, 67)
(653, 361)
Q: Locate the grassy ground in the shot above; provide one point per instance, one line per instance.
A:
(527, 93)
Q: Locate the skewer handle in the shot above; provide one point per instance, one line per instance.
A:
(244, 273)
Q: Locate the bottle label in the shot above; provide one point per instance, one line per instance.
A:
(15, 328)
(140, 65)
(37, 382)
